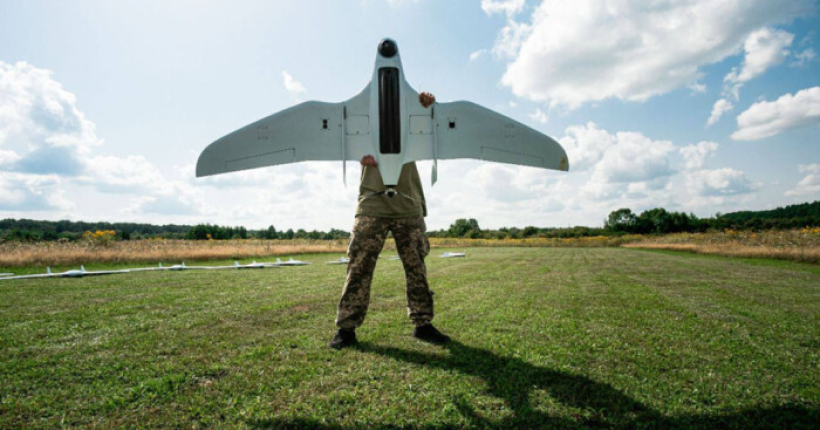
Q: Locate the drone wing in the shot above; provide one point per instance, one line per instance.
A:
(308, 131)
(106, 272)
(467, 130)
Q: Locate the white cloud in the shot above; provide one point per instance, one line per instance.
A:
(395, 3)
(294, 87)
(721, 107)
(764, 119)
(697, 87)
(624, 164)
(507, 7)
(810, 184)
(720, 182)
(8, 158)
(803, 57)
(130, 174)
(764, 48)
(585, 145)
(510, 38)
(41, 123)
(52, 144)
(477, 54)
(539, 116)
(695, 155)
(174, 200)
(588, 50)
(635, 157)
(19, 192)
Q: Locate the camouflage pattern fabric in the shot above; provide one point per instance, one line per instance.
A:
(366, 243)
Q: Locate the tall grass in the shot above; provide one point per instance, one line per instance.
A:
(15, 254)
(801, 245)
(796, 245)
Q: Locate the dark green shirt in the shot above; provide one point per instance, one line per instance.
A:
(408, 203)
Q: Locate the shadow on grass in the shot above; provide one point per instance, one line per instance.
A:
(513, 380)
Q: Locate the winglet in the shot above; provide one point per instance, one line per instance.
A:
(48, 270)
(235, 263)
(82, 268)
(434, 173)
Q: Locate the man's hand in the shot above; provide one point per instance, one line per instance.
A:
(368, 160)
(426, 99)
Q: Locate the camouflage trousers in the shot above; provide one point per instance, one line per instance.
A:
(366, 243)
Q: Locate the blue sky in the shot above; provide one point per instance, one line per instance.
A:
(701, 106)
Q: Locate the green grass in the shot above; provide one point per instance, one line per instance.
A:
(544, 338)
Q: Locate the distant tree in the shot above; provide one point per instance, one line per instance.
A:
(269, 233)
(621, 221)
(464, 228)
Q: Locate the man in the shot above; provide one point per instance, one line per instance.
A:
(376, 215)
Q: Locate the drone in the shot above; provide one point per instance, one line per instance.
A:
(386, 120)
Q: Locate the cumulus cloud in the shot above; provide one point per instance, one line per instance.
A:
(20, 192)
(721, 107)
(764, 119)
(51, 144)
(764, 48)
(720, 182)
(585, 145)
(803, 57)
(539, 116)
(571, 53)
(41, 123)
(622, 164)
(174, 199)
(507, 7)
(635, 157)
(132, 173)
(810, 184)
(294, 87)
(695, 155)
(477, 54)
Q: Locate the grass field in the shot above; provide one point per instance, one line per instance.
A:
(544, 338)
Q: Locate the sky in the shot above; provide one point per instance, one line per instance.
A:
(702, 106)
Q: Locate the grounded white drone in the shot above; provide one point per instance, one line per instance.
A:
(453, 255)
(385, 120)
(341, 260)
(176, 267)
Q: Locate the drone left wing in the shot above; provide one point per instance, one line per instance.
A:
(467, 130)
(310, 131)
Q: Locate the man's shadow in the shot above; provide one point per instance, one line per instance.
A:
(599, 405)
(514, 381)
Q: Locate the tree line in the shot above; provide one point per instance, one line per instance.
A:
(620, 221)
(651, 221)
(28, 230)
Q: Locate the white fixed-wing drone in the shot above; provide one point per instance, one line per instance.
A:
(453, 255)
(291, 262)
(385, 120)
(341, 260)
(67, 274)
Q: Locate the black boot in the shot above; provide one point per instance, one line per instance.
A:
(428, 333)
(344, 338)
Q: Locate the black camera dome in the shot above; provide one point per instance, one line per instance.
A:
(388, 48)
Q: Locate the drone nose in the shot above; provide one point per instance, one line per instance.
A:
(388, 48)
